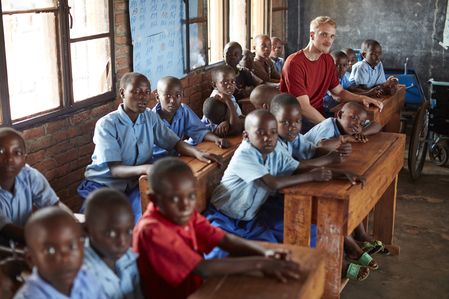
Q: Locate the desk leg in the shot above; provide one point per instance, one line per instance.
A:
(384, 215)
(297, 219)
(394, 125)
(331, 215)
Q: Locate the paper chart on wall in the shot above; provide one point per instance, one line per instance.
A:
(157, 38)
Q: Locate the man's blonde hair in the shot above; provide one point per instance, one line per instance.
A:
(321, 20)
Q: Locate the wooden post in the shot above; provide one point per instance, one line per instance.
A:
(297, 219)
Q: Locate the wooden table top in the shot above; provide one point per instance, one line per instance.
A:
(309, 286)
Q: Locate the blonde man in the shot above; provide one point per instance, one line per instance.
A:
(309, 73)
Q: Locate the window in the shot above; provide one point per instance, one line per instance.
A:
(215, 26)
(196, 33)
(57, 57)
(258, 19)
(279, 19)
(238, 22)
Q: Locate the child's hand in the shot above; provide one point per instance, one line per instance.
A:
(335, 157)
(222, 143)
(209, 158)
(370, 101)
(321, 174)
(360, 138)
(344, 149)
(280, 269)
(351, 177)
(222, 129)
(278, 254)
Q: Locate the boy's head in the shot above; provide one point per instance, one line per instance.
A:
(223, 79)
(169, 94)
(215, 110)
(173, 189)
(232, 54)
(262, 45)
(55, 246)
(262, 95)
(322, 33)
(135, 90)
(286, 110)
(247, 59)
(109, 222)
(371, 51)
(277, 47)
(261, 130)
(351, 118)
(352, 58)
(11, 276)
(12, 153)
(341, 62)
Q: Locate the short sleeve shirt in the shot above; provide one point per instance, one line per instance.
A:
(30, 187)
(326, 129)
(301, 76)
(168, 253)
(118, 139)
(243, 79)
(363, 74)
(299, 148)
(264, 69)
(240, 193)
(234, 102)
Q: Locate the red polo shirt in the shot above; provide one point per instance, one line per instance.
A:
(169, 252)
(300, 76)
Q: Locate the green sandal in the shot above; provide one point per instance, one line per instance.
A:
(364, 260)
(372, 247)
(354, 273)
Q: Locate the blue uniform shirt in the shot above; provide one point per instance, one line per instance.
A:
(210, 125)
(30, 187)
(118, 139)
(278, 63)
(124, 283)
(240, 193)
(299, 148)
(363, 74)
(186, 124)
(324, 130)
(84, 286)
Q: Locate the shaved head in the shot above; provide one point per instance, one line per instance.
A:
(263, 94)
(167, 82)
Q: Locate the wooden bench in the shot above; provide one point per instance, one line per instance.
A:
(208, 175)
(309, 286)
(339, 207)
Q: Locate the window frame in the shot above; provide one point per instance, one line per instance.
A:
(68, 106)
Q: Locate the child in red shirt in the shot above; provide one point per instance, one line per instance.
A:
(172, 237)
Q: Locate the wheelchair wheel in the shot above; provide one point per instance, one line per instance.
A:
(417, 149)
(438, 153)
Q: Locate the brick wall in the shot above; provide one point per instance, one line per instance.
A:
(61, 149)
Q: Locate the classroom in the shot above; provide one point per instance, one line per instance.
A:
(224, 149)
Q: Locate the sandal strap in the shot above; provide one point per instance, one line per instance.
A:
(365, 259)
(354, 271)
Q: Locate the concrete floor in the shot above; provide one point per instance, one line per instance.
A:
(422, 231)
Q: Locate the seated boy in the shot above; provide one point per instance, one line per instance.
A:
(368, 75)
(262, 95)
(277, 47)
(107, 253)
(179, 117)
(352, 59)
(215, 112)
(172, 237)
(124, 141)
(242, 203)
(263, 66)
(13, 271)
(223, 80)
(348, 126)
(245, 81)
(55, 248)
(22, 187)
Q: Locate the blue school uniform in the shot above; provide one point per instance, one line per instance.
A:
(209, 124)
(118, 139)
(363, 74)
(278, 63)
(124, 283)
(186, 124)
(30, 187)
(84, 286)
(328, 100)
(300, 148)
(324, 130)
(206, 121)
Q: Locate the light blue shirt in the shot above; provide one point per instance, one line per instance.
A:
(30, 187)
(209, 124)
(185, 124)
(328, 100)
(363, 74)
(278, 63)
(122, 284)
(324, 130)
(118, 139)
(85, 286)
(300, 148)
(240, 193)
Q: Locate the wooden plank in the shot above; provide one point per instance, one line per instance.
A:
(297, 218)
(384, 214)
(309, 286)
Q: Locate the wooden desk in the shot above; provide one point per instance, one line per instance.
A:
(339, 207)
(309, 286)
(208, 175)
(246, 105)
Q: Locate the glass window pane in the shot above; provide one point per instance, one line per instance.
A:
(32, 62)
(196, 8)
(215, 27)
(278, 24)
(91, 68)
(197, 45)
(257, 19)
(237, 22)
(8, 5)
(89, 17)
